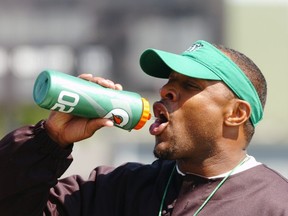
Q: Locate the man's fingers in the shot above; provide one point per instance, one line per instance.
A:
(101, 81)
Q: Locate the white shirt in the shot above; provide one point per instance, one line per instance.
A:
(248, 164)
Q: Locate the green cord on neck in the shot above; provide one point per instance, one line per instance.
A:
(209, 197)
(165, 191)
(219, 185)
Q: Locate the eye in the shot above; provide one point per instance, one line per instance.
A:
(191, 85)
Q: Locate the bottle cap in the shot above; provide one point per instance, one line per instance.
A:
(146, 115)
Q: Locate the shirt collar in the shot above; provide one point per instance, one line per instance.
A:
(250, 163)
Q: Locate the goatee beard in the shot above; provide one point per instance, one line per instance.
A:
(164, 155)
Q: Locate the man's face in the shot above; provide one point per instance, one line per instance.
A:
(190, 117)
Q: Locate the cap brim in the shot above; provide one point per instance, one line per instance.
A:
(160, 64)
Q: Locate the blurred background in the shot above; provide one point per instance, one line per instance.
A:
(106, 38)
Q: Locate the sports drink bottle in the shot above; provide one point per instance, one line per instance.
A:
(65, 93)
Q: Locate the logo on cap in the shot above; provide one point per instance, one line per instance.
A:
(194, 47)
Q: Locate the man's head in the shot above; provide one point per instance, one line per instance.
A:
(214, 63)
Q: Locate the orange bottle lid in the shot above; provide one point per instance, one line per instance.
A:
(146, 115)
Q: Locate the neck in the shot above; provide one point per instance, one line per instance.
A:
(211, 166)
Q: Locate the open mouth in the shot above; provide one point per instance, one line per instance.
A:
(162, 119)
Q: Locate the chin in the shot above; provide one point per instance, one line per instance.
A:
(164, 154)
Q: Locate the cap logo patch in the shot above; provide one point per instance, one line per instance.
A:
(194, 47)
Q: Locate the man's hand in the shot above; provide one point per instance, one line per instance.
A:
(65, 128)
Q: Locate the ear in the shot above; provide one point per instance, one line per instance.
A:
(239, 113)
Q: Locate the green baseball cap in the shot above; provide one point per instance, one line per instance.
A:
(204, 61)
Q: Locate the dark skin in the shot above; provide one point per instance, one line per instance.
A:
(204, 131)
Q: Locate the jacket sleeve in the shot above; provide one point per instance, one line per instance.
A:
(30, 164)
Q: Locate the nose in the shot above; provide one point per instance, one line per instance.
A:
(168, 93)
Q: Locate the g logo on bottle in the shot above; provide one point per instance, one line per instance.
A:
(119, 116)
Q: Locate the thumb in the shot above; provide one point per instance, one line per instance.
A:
(95, 124)
(107, 122)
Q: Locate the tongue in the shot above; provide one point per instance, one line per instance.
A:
(157, 127)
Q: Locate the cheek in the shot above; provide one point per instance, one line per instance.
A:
(182, 127)
(205, 121)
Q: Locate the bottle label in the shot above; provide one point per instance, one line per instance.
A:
(67, 101)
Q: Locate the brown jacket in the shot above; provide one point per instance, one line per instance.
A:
(31, 163)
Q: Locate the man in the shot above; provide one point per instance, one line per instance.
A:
(206, 118)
